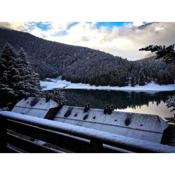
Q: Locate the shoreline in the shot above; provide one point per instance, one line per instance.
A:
(50, 84)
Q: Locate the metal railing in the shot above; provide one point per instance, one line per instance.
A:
(21, 133)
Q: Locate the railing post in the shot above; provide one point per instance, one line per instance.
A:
(96, 146)
(3, 136)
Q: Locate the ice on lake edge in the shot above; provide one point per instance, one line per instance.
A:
(50, 84)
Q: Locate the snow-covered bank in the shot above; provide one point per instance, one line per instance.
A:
(63, 84)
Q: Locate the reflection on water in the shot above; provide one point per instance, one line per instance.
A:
(152, 108)
(140, 102)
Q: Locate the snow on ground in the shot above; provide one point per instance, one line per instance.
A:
(49, 84)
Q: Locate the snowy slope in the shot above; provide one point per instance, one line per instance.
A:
(63, 84)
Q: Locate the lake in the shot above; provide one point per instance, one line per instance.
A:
(140, 102)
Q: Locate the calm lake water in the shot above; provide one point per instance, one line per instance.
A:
(140, 102)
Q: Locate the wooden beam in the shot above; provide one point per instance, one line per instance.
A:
(27, 145)
(3, 136)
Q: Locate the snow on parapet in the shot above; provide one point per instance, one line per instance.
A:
(140, 126)
(134, 125)
(34, 106)
(63, 84)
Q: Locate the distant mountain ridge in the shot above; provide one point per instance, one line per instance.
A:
(46, 53)
(81, 64)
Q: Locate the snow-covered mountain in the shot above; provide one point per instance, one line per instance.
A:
(80, 64)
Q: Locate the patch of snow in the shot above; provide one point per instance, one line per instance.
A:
(63, 84)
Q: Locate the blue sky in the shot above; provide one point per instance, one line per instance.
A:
(47, 26)
(112, 24)
(43, 25)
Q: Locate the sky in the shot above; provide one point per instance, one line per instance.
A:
(118, 38)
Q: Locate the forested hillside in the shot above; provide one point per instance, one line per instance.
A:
(80, 64)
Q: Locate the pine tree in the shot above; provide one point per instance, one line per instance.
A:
(162, 52)
(17, 79)
(29, 84)
(7, 60)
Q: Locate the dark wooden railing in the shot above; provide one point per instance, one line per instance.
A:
(22, 133)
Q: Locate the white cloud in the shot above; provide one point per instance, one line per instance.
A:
(123, 41)
(138, 23)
